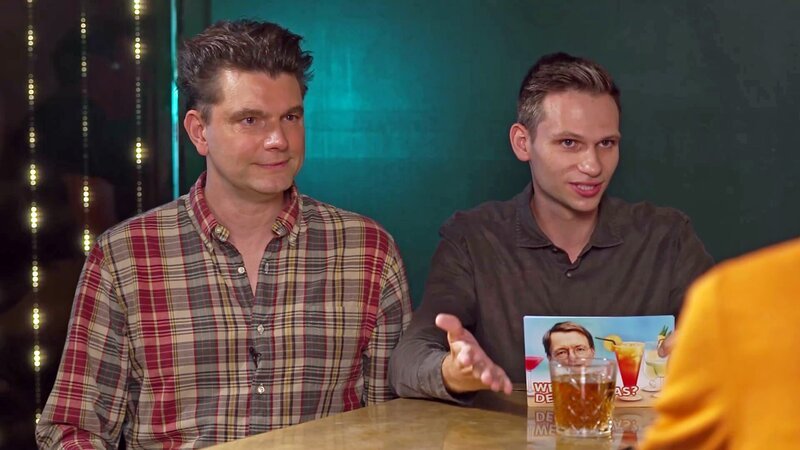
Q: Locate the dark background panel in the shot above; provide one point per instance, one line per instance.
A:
(411, 102)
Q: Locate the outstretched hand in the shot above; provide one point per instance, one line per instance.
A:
(467, 368)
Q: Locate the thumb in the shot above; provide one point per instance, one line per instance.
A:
(450, 324)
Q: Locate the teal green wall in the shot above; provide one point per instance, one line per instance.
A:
(408, 112)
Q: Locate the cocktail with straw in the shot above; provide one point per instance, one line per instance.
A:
(629, 360)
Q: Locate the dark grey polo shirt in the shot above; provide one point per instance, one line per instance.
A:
(494, 265)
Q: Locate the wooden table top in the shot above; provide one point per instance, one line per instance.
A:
(495, 421)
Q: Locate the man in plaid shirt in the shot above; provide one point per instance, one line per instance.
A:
(242, 306)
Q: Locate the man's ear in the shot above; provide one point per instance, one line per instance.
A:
(521, 141)
(196, 129)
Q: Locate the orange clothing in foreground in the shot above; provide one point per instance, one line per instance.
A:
(733, 381)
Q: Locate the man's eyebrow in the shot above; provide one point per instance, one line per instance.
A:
(567, 135)
(572, 135)
(247, 112)
(296, 110)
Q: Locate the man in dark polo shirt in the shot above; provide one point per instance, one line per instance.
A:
(560, 247)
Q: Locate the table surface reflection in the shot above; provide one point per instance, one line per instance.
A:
(494, 421)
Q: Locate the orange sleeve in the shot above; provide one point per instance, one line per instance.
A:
(691, 410)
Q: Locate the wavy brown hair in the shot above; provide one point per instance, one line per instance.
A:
(243, 45)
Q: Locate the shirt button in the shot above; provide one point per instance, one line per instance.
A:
(266, 268)
(240, 270)
(260, 328)
(219, 232)
(261, 389)
(554, 249)
(569, 274)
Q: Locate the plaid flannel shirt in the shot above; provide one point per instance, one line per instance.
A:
(168, 345)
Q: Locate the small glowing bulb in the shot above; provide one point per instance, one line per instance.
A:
(34, 217)
(37, 357)
(139, 152)
(35, 275)
(87, 241)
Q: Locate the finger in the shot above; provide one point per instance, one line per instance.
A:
(488, 377)
(665, 346)
(477, 369)
(507, 387)
(465, 356)
(450, 324)
(497, 380)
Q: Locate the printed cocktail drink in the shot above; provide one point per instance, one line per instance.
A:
(656, 364)
(655, 367)
(531, 362)
(583, 396)
(629, 358)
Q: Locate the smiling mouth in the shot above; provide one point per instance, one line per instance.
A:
(587, 190)
(586, 187)
(274, 165)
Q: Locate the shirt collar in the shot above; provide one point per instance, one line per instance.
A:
(286, 222)
(528, 233)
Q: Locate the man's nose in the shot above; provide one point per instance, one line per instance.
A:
(590, 163)
(276, 139)
(572, 355)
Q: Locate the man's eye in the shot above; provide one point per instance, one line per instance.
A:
(249, 120)
(568, 143)
(292, 117)
(608, 143)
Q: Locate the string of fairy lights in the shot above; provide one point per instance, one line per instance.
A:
(139, 150)
(35, 215)
(34, 211)
(86, 241)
